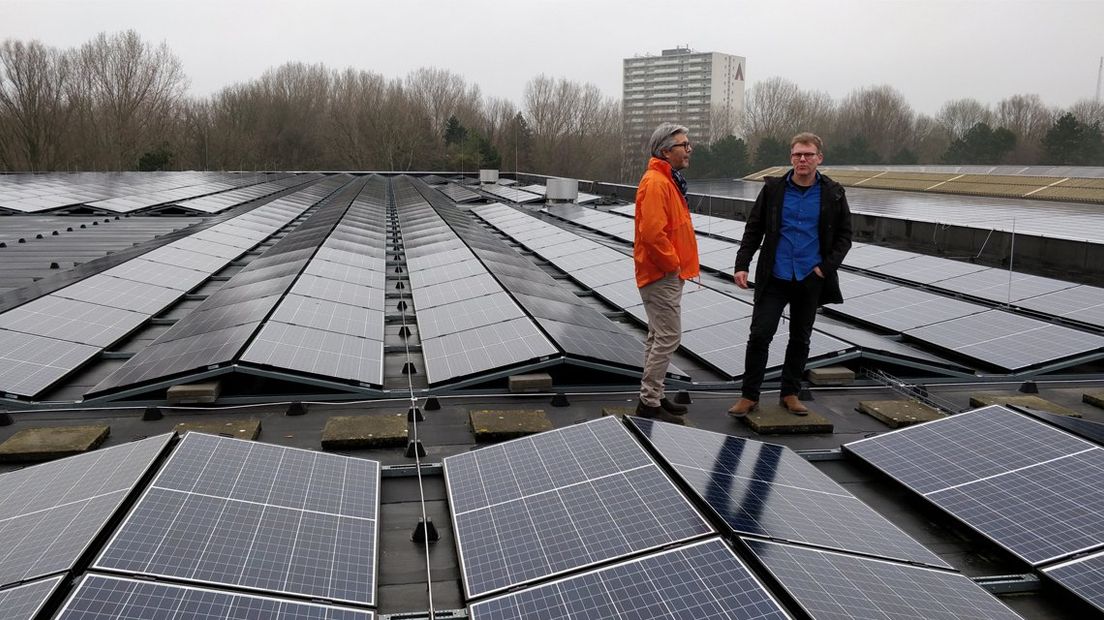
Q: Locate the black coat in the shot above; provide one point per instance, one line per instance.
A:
(764, 226)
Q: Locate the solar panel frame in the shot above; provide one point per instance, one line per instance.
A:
(314, 351)
(590, 464)
(29, 364)
(482, 348)
(138, 545)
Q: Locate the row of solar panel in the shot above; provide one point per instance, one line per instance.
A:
(221, 512)
(576, 328)
(582, 496)
(123, 192)
(331, 321)
(715, 325)
(997, 338)
(46, 339)
(1030, 487)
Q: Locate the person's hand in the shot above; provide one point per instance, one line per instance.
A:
(816, 270)
(741, 279)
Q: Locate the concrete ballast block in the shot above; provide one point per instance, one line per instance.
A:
(831, 375)
(366, 431)
(499, 424)
(193, 393)
(52, 442)
(532, 383)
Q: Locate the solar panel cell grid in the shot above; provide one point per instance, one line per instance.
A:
(23, 602)
(1084, 577)
(592, 476)
(262, 517)
(704, 580)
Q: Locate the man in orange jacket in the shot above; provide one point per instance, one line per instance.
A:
(665, 251)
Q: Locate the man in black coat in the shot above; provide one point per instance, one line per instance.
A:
(803, 223)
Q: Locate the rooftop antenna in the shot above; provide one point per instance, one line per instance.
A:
(1099, 74)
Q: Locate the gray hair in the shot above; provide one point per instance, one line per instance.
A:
(663, 138)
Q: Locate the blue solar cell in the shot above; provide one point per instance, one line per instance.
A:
(702, 580)
(562, 500)
(768, 490)
(835, 586)
(257, 516)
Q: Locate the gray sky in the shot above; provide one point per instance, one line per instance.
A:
(930, 50)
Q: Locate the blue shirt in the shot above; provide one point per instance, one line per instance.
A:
(799, 243)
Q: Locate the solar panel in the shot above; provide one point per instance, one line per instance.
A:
(159, 274)
(1029, 487)
(724, 345)
(835, 586)
(305, 349)
(1010, 342)
(330, 316)
(899, 309)
(105, 290)
(562, 500)
(483, 348)
(701, 580)
(24, 602)
(768, 490)
(29, 364)
(50, 513)
(72, 320)
(1083, 576)
(1079, 303)
(341, 292)
(468, 314)
(256, 516)
(364, 276)
(102, 597)
(601, 344)
(452, 291)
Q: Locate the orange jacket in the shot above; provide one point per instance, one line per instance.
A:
(665, 239)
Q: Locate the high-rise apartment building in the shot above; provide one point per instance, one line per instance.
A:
(702, 90)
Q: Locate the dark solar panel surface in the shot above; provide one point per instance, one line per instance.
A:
(257, 516)
(1084, 577)
(702, 580)
(559, 501)
(1008, 341)
(835, 586)
(23, 602)
(29, 364)
(72, 320)
(50, 513)
(482, 348)
(100, 597)
(768, 490)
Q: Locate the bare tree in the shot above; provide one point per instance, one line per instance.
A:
(1028, 118)
(930, 139)
(127, 92)
(960, 115)
(33, 79)
(1089, 112)
(879, 116)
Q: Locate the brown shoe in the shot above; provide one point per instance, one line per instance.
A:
(793, 405)
(743, 407)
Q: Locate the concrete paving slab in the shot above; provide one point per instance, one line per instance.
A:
(365, 431)
(984, 399)
(898, 413)
(239, 429)
(52, 442)
(618, 411)
(1096, 399)
(773, 419)
(500, 424)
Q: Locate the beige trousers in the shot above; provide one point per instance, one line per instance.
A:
(663, 305)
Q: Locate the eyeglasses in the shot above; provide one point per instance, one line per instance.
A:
(806, 156)
(686, 145)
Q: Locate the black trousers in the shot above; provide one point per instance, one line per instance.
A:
(802, 296)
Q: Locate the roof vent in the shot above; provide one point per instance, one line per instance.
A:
(487, 177)
(562, 190)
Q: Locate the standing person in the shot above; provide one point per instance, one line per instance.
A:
(665, 251)
(803, 222)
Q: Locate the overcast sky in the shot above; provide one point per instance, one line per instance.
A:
(930, 50)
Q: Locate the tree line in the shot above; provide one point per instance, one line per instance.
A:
(120, 103)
